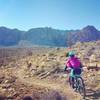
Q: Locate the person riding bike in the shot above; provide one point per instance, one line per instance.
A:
(74, 64)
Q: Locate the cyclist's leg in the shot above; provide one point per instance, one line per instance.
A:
(77, 71)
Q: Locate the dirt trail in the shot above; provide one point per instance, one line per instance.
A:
(61, 88)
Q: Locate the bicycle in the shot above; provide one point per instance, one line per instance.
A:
(77, 83)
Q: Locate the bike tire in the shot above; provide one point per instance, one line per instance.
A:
(81, 87)
(70, 82)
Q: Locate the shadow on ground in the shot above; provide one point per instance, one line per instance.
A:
(2, 97)
(94, 95)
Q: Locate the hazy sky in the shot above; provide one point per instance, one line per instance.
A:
(60, 14)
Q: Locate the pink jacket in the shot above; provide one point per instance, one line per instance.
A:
(73, 62)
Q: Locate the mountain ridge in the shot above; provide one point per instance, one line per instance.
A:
(48, 36)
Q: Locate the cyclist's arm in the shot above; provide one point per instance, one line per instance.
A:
(65, 68)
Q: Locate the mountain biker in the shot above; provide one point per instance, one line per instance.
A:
(74, 64)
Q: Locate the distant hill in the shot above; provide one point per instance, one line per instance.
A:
(9, 37)
(47, 36)
(88, 33)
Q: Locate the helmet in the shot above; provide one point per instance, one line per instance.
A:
(71, 53)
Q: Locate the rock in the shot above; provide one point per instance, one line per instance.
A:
(1, 79)
(10, 80)
(4, 90)
(6, 86)
(11, 89)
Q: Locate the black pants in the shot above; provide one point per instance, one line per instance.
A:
(76, 71)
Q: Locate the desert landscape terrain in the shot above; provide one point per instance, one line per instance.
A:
(38, 72)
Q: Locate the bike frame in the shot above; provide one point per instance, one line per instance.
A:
(72, 75)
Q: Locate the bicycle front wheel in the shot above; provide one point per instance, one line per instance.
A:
(71, 81)
(81, 87)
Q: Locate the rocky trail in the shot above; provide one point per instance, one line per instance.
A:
(63, 89)
(33, 87)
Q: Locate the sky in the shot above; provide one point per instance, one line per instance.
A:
(59, 14)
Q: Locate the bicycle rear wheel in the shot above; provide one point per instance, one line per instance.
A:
(81, 86)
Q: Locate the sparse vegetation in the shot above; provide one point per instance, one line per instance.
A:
(38, 72)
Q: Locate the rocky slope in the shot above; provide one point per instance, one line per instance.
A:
(88, 33)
